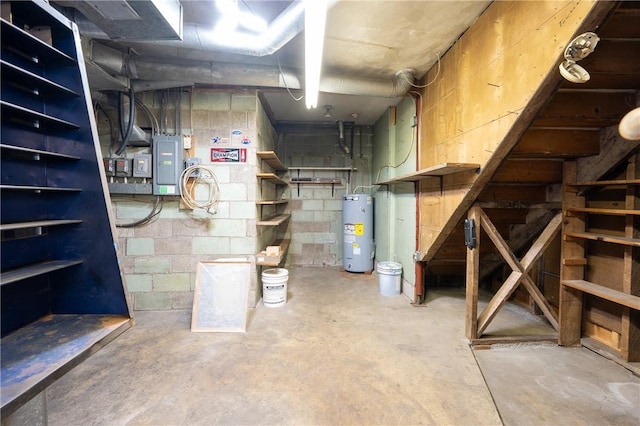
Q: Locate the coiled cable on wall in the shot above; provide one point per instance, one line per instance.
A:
(202, 176)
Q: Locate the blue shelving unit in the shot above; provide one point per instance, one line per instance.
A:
(62, 292)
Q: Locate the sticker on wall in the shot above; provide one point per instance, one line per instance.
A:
(246, 140)
(219, 141)
(236, 137)
(228, 155)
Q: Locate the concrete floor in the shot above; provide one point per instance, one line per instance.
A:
(339, 353)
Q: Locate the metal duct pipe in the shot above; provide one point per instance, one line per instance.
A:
(264, 76)
(343, 146)
(282, 29)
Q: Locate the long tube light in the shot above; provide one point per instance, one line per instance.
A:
(315, 16)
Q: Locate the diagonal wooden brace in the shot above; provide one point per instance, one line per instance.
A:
(520, 271)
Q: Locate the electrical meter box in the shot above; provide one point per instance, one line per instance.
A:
(168, 164)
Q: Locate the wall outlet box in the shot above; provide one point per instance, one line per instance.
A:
(186, 141)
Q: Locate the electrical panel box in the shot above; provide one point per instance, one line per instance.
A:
(142, 165)
(123, 167)
(167, 164)
(109, 166)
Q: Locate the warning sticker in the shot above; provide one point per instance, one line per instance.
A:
(356, 249)
(359, 228)
(349, 229)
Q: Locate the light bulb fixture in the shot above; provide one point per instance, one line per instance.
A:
(629, 126)
(327, 111)
(315, 16)
(579, 48)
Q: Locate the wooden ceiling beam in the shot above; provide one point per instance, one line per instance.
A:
(558, 143)
(529, 171)
(585, 109)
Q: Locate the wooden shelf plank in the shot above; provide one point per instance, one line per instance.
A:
(606, 293)
(315, 181)
(635, 242)
(438, 170)
(38, 152)
(57, 343)
(36, 84)
(608, 182)
(284, 247)
(37, 188)
(28, 42)
(34, 119)
(272, 160)
(274, 221)
(35, 224)
(613, 212)
(31, 271)
(271, 177)
(328, 169)
(271, 202)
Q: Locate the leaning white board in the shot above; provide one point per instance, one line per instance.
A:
(221, 296)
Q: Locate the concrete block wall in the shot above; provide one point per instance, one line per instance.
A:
(159, 259)
(315, 226)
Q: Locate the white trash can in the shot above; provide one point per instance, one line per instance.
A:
(389, 278)
(274, 287)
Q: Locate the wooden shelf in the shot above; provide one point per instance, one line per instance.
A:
(284, 247)
(35, 47)
(315, 181)
(612, 212)
(606, 293)
(35, 270)
(274, 221)
(271, 177)
(35, 154)
(37, 188)
(271, 202)
(33, 83)
(36, 224)
(34, 119)
(56, 343)
(608, 182)
(326, 169)
(434, 171)
(272, 160)
(634, 242)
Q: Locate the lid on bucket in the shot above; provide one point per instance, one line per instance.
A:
(389, 266)
(275, 273)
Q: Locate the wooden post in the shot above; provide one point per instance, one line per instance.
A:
(570, 304)
(473, 275)
(630, 344)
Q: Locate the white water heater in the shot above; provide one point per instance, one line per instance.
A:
(357, 225)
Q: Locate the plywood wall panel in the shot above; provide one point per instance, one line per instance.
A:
(486, 82)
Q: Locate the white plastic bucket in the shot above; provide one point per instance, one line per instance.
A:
(389, 278)
(274, 287)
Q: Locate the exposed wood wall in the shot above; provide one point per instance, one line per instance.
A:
(474, 110)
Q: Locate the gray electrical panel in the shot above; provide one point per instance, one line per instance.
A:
(167, 165)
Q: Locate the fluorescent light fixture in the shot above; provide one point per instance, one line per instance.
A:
(315, 16)
(232, 17)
